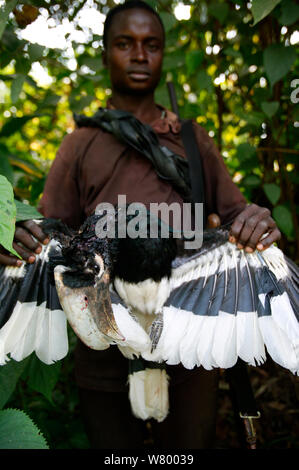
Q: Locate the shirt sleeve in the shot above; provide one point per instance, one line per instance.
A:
(222, 194)
(61, 198)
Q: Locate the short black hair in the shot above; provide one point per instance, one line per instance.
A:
(128, 5)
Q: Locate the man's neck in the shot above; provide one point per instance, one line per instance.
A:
(142, 107)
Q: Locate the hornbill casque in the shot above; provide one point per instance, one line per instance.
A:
(154, 300)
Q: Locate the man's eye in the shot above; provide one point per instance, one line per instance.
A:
(153, 47)
(123, 45)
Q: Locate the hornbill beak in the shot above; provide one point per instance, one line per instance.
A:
(86, 302)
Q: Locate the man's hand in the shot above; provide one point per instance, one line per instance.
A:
(24, 244)
(250, 226)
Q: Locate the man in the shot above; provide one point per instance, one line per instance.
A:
(92, 167)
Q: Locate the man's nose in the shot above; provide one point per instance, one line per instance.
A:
(139, 53)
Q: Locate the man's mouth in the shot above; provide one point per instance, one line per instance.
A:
(139, 75)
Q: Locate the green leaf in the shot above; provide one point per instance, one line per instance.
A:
(219, 11)
(18, 431)
(168, 20)
(230, 51)
(43, 377)
(35, 51)
(270, 107)
(15, 124)
(278, 60)
(272, 192)
(245, 151)
(261, 8)
(78, 105)
(5, 10)
(283, 218)
(290, 12)
(9, 376)
(26, 212)
(204, 80)
(193, 60)
(26, 166)
(51, 100)
(251, 181)
(16, 87)
(5, 167)
(7, 215)
(254, 118)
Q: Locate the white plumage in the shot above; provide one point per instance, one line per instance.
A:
(217, 305)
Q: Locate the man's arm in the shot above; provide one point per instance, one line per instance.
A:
(60, 200)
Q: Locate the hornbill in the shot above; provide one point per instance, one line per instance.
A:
(156, 301)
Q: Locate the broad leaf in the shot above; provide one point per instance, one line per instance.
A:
(278, 60)
(272, 192)
(290, 12)
(7, 215)
(15, 124)
(270, 108)
(16, 87)
(168, 20)
(43, 377)
(245, 151)
(9, 376)
(26, 212)
(18, 431)
(219, 11)
(251, 181)
(35, 51)
(283, 218)
(5, 167)
(193, 61)
(4, 13)
(261, 8)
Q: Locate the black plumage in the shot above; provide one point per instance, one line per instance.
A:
(155, 299)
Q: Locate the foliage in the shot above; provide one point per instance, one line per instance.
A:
(12, 211)
(17, 431)
(233, 65)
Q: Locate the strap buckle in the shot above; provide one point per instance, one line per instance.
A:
(249, 428)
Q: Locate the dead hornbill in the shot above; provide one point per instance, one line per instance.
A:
(155, 300)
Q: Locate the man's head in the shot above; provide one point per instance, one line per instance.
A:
(133, 47)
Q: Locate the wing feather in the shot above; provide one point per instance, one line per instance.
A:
(225, 304)
(31, 316)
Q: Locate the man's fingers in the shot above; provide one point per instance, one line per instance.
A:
(24, 253)
(250, 226)
(272, 237)
(24, 237)
(247, 221)
(36, 231)
(10, 260)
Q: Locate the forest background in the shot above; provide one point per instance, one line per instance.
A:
(235, 70)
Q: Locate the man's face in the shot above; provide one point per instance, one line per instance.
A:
(134, 52)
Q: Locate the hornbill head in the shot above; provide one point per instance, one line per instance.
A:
(89, 264)
(82, 277)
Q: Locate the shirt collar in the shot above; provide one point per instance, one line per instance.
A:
(167, 122)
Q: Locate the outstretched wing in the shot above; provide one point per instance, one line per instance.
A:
(225, 304)
(31, 318)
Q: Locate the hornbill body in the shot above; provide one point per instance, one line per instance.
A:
(155, 300)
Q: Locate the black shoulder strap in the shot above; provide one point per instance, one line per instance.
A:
(195, 163)
(237, 376)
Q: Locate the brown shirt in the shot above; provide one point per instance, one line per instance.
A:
(91, 166)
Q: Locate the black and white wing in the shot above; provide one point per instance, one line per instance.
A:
(31, 318)
(224, 304)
